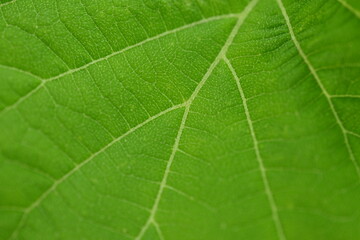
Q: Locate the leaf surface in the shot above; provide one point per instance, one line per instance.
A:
(188, 119)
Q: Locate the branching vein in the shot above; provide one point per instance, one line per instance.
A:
(323, 89)
(273, 206)
(241, 18)
(43, 196)
(44, 81)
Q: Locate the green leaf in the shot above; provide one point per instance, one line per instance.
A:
(188, 119)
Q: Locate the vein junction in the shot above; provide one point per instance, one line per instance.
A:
(53, 188)
(151, 219)
(322, 87)
(274, 209)
(221, 56)
(72, 71)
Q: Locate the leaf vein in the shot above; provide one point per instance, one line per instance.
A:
(350, 8)
(221, 54)
(268, 191)
(54, 186)
(322, 87)
(203, 21)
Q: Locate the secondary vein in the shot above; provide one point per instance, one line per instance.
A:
(7, 3)
(322, 87)
(45, 80)
(350, 8)
(54, 186)
(270, 196)
(241, 18)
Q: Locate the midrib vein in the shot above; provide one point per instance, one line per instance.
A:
(46, 80)
(270, 196)
(221, 55)
(323, 89)
(54, 186)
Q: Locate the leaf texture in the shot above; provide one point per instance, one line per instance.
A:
(190, 119)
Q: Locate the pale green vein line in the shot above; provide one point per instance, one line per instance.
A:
(270, 195)
(203, 21)
(191, 198)
(43, 196)
(221, 54)
(7, 3)
(21, 71)
(23, 98)
(345, 96)
(350, 8)
(338, 66)
(158, 230)
(353, 133)
(323, 89)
